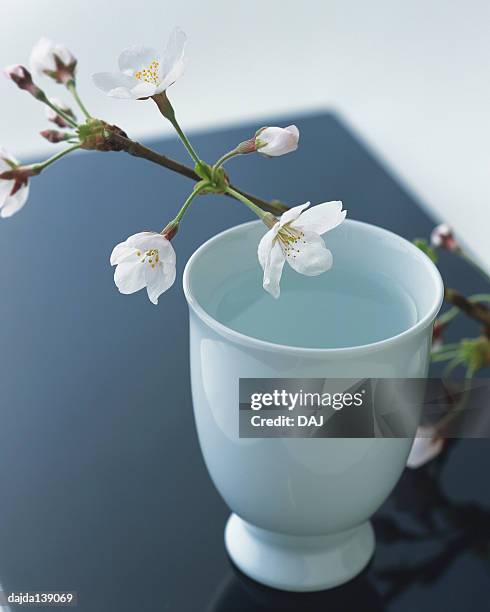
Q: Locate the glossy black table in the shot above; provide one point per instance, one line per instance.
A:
(104, 490)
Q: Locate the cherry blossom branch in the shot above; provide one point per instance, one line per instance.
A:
(121, 142)
(453, 312)
(475, 310)
(146, 259)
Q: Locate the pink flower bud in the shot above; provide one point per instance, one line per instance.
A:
(22, 78)
(54, 117)
(275, 141)
(437, 339)
(442, 237)
(55, 136)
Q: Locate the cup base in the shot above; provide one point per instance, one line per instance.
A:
(298, 563)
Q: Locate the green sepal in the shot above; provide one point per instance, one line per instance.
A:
(204, 171)
(220, 180)
(203, 187)
(424, 246)
(92, 127)
(475, 352)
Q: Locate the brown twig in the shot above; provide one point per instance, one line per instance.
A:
(120, 142)
(476, 310)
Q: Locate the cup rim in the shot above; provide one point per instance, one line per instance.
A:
(258, 343)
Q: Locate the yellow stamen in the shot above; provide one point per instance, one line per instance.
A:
(150, 74)
(152, 257)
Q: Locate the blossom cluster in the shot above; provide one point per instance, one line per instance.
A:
(147, 259)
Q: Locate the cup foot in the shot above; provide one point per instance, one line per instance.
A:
(298, 563)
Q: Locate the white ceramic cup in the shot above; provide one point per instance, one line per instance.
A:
(301, 507)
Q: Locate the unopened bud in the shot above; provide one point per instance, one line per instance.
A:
(437, 338)
(55, 136)
(54, 117)
(23, 79)
(442, 237)
(275, 141)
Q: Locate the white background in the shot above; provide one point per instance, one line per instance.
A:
(412, 77)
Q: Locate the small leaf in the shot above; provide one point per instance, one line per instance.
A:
(424, 246)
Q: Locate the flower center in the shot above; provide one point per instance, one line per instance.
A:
(151, 257)
(150, 74)
(290, 240)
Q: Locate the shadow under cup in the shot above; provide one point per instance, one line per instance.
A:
(302, 506)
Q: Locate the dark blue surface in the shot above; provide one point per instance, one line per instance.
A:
(103, 487)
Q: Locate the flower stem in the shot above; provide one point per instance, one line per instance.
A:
(453, 312)
(185, 140)
(60, 112)
(265, 216)
(39, 167)
(167, 110)
(73, 89)
(186, 204)
(136, 149)
(472, 307)
(225, 157)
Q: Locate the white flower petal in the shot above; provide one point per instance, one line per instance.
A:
(293, 130)
(143, 90)
(136, 58)
(322, 218)
(64, 54)
(159, 280)
(292, 214)
(273, 270)
(130, 276)
(5, 189)
(278, 141)
(310, 256)
(4, 156)
(41, 57)
(112, 82)
(426, 446)
(121, 252)
(138, 240)
(265, 246)
(120, 93)
(173, 64)
(14, 203)
(145, 241)
(146, 259)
